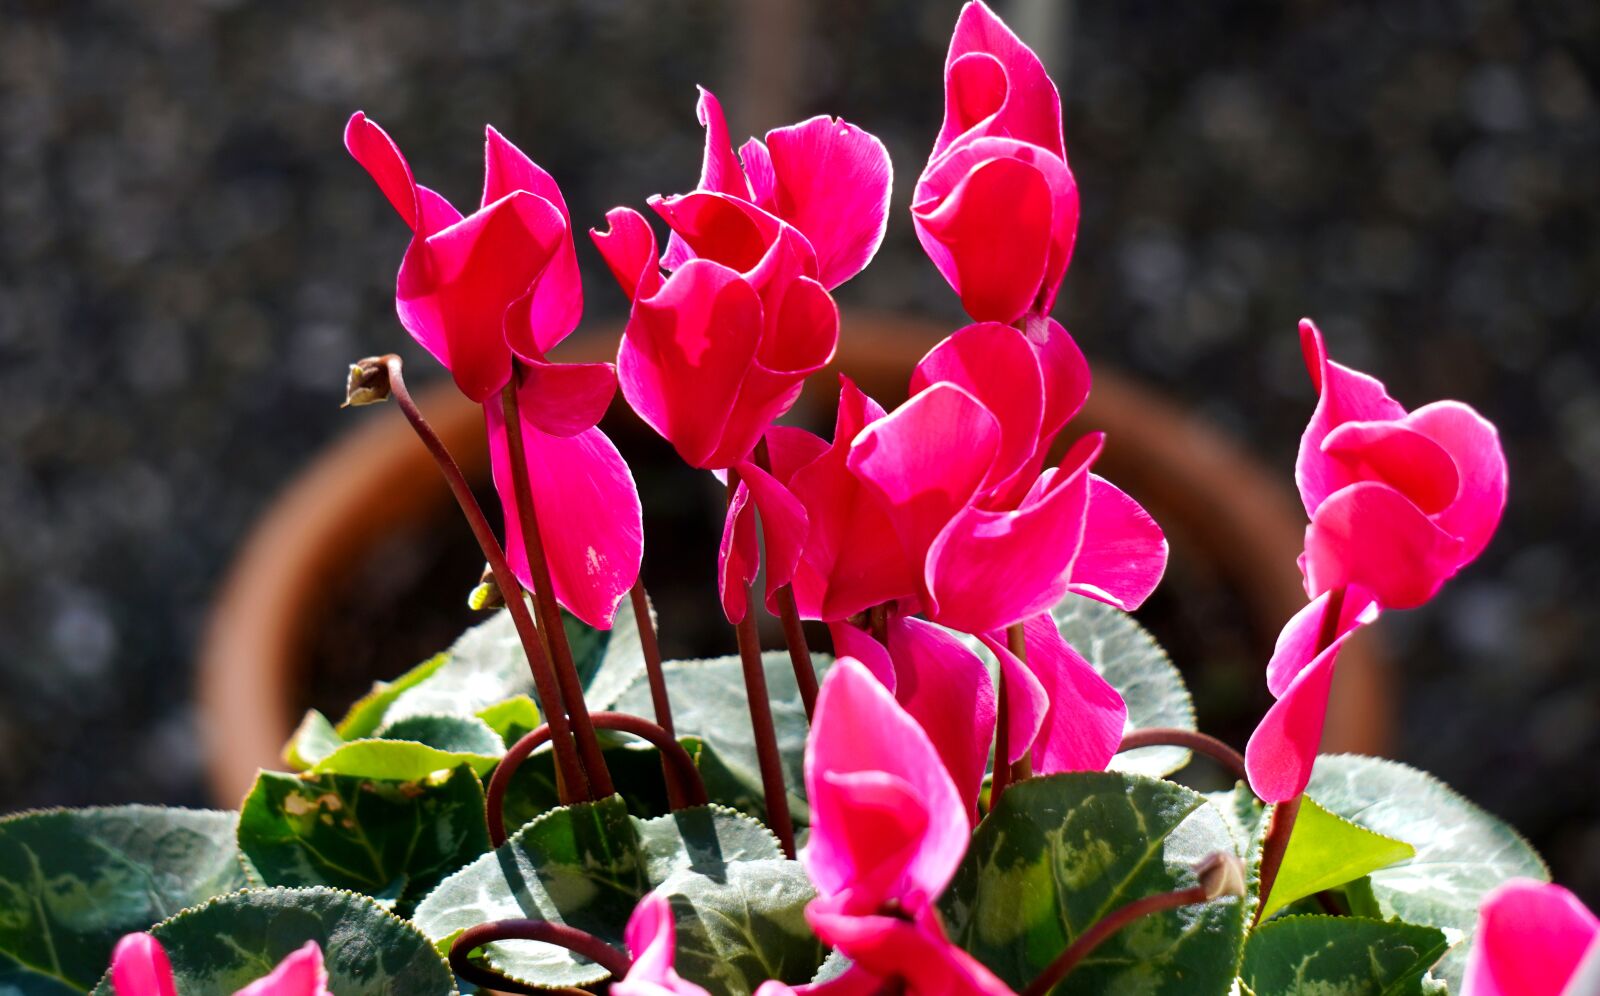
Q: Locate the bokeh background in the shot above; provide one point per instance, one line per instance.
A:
(188, 259)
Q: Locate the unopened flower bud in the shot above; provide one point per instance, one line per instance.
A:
(487, 595)
(368, 383)
(1221, 875)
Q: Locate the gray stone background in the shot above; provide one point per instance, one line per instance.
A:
(188, 258)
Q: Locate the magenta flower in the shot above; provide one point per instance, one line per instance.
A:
(139, 967)
(996, 208)
(1534, 939)
(652, 941)
(1399, 502)
(460, 276)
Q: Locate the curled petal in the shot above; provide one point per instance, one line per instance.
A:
(720, 169)
(917, 953)
(990, 237)
(563, 399)
(1124, 551)
(1284, 746)
(947, 690)
(861, 740)
(302, 973)
(853, 641)
(906, 460)
(1399, 456)
(783, 525)
(139, 967)
(791, 448)
(1298, 642)
(1343, 395)
(588, 511)
(995, 364)
(1027, 700)
(1533, 939)
(1066, 373)
(1087, 717)
(718, 227)
(557, 301)
(629, 249)
(651, 939)
(1371, 535)
(422, 209)
(831, 180)
(738, 555)
(996, 85)
(1474, 445)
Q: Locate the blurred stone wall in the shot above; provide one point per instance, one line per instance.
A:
(188, 258)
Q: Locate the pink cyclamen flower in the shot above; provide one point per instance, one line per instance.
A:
(996, 207)
(1533, 939)
(1399, 502)
(461, 276)
(652, 941)
(139, 967)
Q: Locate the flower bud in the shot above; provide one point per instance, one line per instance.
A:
(1221, 875)
(487, 595)
(368, 383)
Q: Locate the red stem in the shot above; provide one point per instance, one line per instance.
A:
(544, 599)
(579, 942)
(1004, 772)
(1192, 739)
(660, 701)
(571, 783)
(773, 792)
(794, 636)
(1104, 928)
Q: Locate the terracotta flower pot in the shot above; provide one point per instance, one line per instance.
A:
(1213, 499)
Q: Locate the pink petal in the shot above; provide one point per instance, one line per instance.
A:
(563, 399)
(456, 286)
(996, 85)
(783, 526)
(629, 249)
(1284, 747)
(1124, 552)
(719, 170)
(906, 459)
(139, 967)
(831, 181)
(853, 559)
(947, 690)
(891, 948)
(1087, 717)
(995, 364)
(588, 511)
(989, 569)
(1027, 700)
(1298, 643)
(860, 732)
(1371, 535)
(1399, 456)
(1343, 395)
(422, 209)
(990, 237)
(738, 555)
(886, 825)
(685, 353)
(302, 973)
(853, 641)
(1066, 373)
(558, 297)
(1474, 445)
(758, 170)
(790, 448)
(718, 227)
(1532, 939)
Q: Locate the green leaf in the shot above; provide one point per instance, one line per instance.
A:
(512, 719)
(366, 715)
(738, 904)
(1129, 658)
(1340, 956)
(635, 773)
(17, 979)
(709, 703)
(1326, 851)
(381, 838)
(1062, 851)
(314, 739)
(1462, 851)
(72, 882)
(231, 941)
(1243, 813)
(413, 748)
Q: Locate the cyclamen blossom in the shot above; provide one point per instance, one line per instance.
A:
(139, 967)
(504, 283)
(996, 207)
(652, 940)
(1534, 939)
(1398, 503)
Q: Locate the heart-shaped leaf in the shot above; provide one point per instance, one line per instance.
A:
(737, 902)
(412, 748)
(231, 941)
(1062, 851)
(1462, 851)
(72, 882)
(394, 840)
(1326, 851)
(512, 719)
(1340, 956)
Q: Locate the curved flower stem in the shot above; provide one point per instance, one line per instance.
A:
(794, 636)
(1192, 739)
(773, 792)
(1276, 844)
(544, 598)
(660, 701)
(1104, 928)
(571, 783)
(1004, 772)
(1017, 643)
(682, 772)
(577, 941)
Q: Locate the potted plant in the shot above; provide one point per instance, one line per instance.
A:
(970, 794)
